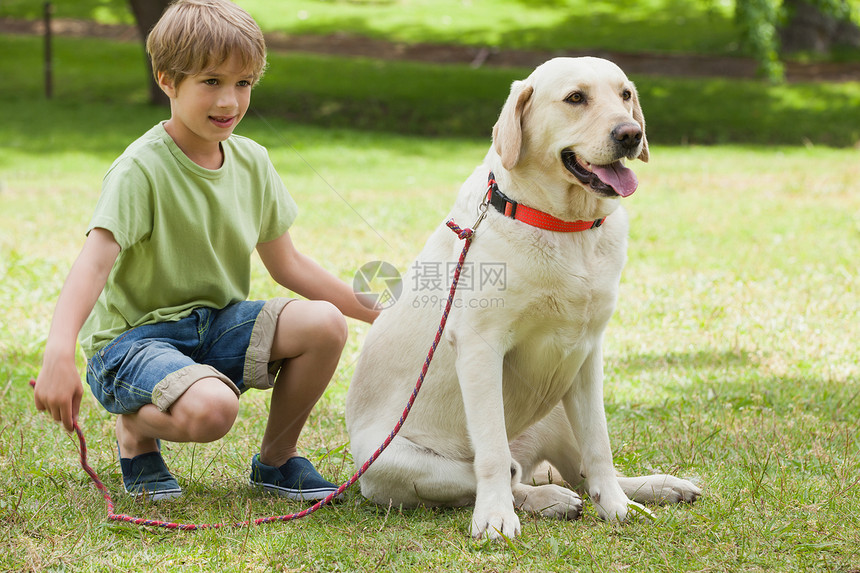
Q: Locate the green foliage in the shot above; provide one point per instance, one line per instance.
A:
(757, 22)
(103, 11)
(840, 9)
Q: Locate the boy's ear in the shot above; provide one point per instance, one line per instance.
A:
(167, 84)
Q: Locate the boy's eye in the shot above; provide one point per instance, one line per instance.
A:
(244, 83)
(210, 82)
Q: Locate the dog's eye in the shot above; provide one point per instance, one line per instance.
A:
(626, 95)
(575, 97)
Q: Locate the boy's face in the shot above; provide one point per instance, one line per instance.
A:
(205, 108)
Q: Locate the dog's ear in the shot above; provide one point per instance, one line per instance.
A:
(644, 155)
(508, 131)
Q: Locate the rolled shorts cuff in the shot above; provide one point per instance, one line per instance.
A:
(260, 372)
(174, 385)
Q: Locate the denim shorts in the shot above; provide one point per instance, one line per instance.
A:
(157, 363)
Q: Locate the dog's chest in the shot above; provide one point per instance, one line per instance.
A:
(563, 299)
(563, 295)
(558, 330)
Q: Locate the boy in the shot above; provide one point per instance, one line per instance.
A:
(158, 292)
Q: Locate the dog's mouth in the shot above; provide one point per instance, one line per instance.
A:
(607, 180)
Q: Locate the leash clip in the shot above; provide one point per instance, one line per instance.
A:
(482, 212)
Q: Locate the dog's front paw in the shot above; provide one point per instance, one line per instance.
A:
(616, 508)
(495, 524)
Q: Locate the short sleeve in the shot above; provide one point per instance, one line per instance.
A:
(125, 205)
(281, 210)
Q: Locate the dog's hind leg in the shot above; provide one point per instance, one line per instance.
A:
(410, 475)
(549, 453)
(659, 489)
(540, 489)
(548, 500)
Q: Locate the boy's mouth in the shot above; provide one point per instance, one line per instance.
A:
(222, 121)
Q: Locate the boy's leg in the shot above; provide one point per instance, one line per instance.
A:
(172, 381)
(204, 413)
(310, 337)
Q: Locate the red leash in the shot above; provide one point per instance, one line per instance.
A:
(463, 234)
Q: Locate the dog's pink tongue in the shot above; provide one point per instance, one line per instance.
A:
(617, 176)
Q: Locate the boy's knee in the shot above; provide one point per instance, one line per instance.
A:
(315, 327)
(332, 325)
(324, 325)
(210, 408)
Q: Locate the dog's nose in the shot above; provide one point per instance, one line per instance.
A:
(628, 135)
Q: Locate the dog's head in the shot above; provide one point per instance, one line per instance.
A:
(574, 120)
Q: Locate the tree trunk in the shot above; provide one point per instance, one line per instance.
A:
(146, 14)
(808, 29)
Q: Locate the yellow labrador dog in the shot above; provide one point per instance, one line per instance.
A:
(517, 380)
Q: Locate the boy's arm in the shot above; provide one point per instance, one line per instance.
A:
(306, 277)
(58, 387)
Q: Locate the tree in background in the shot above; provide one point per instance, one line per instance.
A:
(812, 29)
(146, 14)
(771, 27)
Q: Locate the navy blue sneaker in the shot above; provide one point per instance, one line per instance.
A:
(147, 476)
(297, 479)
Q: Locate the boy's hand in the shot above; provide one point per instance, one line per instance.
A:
(58, 391)
(58, 388)
(306, 277)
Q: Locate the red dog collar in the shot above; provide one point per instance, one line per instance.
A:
(510, 208)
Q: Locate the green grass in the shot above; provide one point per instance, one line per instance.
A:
(673, 26)
(514, 24)
(732, 356)
(572, 24)
(437, 100)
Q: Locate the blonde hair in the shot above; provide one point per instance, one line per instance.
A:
(195, 36)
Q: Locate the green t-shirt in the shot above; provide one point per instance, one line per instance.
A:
(187, 233)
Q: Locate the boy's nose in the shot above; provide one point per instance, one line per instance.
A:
(228, 98)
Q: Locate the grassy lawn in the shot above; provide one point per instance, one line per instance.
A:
(571, 24)
(439, 100)
(666, 26)
(732, 356)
